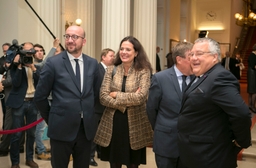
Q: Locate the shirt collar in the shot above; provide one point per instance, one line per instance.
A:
(71, 57)
(105, 67)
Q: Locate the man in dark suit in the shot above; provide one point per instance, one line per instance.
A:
(158, 64)
(229, 63)
(214, 121)
(107, 59)
(71, 77)
(24, 80)
(3, 70)
(163, 106)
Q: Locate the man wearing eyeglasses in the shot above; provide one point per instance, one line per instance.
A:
(71, 77)
(214, 121)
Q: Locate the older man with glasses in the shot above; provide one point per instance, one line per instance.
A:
(214, 121)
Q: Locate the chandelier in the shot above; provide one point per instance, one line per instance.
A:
(249, 17)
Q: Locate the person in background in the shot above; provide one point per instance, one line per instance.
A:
(107, 59)
(72, 79)
(163, 106)
(3, 72)
(251, 79)
(56, 49)
(158, 65)
(229, 63)
(124, 130)
(5, 47)
(40, 149)
(214, 121)
(170, 61)
(24, 81)
(238, 65)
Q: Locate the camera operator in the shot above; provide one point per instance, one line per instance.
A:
(24, 76)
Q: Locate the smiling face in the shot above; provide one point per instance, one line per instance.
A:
(202, 59)
(74, 46)
(127, 52)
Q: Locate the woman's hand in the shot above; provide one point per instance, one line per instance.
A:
(138, 90)
(113, 94)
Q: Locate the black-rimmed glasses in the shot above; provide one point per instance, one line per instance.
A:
(73, 37)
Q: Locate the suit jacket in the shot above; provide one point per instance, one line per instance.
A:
(7, 83)
(2, 62)
(19, 86)
(232, 64)
(163, 107)
(68, 102)
(213, 114)
(99, 108)
(140, 132)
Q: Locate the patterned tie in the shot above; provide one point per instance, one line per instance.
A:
(78, 73)
(184, 83)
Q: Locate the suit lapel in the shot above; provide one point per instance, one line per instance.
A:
(86, 66)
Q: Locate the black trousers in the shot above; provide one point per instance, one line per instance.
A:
(165, 162)
(79, 148)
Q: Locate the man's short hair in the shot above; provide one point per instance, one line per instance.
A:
(40, 46)
(105, 51)
(6, 44)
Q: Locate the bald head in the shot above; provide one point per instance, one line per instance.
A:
(76, 30)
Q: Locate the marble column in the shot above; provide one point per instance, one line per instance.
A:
(145, 26)
(115, 22)
(49, 12)
(86, 12)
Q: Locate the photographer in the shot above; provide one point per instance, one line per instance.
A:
(24, 76)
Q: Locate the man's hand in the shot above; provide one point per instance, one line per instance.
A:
(32, 66)
(56, 43)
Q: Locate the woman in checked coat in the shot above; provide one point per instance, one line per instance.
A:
(124, 130)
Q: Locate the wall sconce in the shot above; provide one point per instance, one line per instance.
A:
(78, 23)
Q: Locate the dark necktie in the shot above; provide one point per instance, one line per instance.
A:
(78, 73)
(184, 84)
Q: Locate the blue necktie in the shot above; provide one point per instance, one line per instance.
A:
(78, 73)
(184, 84)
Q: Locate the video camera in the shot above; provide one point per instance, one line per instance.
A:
(16, 49)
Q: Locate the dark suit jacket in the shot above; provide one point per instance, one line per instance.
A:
(64, 115)
(99, 108)
(19, 86)
(232, 64)
(163, 108)
(2, 62)
(213, 114)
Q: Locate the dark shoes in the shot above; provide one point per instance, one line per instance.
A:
(3, 153)
(15, 166)
(31, 164)
(93, 163)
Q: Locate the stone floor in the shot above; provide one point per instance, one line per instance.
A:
(5, 162)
